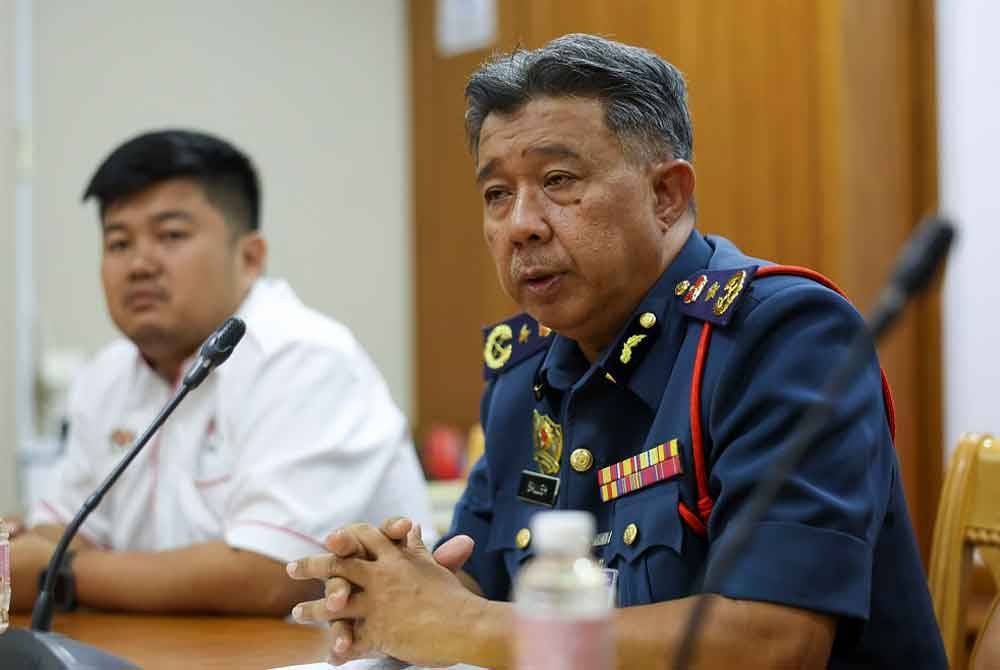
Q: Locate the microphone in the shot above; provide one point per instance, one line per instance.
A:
(215, 351)
(915, 266)
(39, 648)
(924, 252)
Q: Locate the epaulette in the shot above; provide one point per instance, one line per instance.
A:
(712, 295)
(509, 342)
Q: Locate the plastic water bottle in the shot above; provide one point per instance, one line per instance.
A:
(4, 576)
(562, 599)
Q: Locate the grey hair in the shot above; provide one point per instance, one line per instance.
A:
(644, 96)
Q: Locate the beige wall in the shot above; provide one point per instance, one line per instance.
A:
(314, 91)
(8, 433)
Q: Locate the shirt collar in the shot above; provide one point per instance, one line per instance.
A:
(642, 354)
(246, 306)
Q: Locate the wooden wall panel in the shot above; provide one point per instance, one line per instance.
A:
(927, 460)
(456, 288)
(814, 131)
(885, 91)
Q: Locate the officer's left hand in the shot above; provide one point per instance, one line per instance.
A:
(406, 604)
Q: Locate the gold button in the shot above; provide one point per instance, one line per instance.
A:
(631, 533)
(647, 320)
(581, 460)
(523, 538)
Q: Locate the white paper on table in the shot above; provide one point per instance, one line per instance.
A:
(363, 664)
(370, 664)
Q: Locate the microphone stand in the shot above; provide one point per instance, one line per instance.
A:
(39, 648)
(41, 613)
(915, 266)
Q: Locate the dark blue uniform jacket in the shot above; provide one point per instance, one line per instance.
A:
(838, 539)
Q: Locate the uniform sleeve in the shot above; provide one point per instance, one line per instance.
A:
(76, 475)
(473, 516)
(814, 548)
(317, 436)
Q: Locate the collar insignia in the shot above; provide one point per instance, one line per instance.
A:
(717, 304)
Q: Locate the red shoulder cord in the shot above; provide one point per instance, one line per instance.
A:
(698, 522)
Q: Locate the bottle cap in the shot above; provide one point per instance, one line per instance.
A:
(563, 531)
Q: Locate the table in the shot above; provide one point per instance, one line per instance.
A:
(156, 642)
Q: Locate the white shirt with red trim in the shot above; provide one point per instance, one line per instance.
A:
(294, 436)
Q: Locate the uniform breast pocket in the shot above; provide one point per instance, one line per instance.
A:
(646, 547)
(510, 534)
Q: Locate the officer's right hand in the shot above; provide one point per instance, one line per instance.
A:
(344, 543)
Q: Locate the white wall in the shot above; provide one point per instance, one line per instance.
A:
(314, 91)
(969, 113)
(8, 431)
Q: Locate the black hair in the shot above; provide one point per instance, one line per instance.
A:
(225, 173)
(644, 96)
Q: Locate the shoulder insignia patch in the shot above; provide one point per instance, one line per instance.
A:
(712, 295)
(509, 342)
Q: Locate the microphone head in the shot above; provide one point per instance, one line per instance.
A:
(220, 344)
(215, 351)
(926, 250)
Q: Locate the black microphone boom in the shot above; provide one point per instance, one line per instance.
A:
(915, 266)
(38, 648)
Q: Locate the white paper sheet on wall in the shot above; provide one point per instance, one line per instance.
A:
(465, 25)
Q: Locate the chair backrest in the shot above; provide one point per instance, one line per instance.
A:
(986, 655)
(968, 519)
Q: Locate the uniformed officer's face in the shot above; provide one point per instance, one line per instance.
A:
(171, 267)
(575, 229)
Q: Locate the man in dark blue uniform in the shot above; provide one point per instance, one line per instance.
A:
(660, 390)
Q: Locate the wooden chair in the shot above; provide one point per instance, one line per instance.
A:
(968, 519)
(986, 654)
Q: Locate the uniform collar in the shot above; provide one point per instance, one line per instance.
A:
(642, 355)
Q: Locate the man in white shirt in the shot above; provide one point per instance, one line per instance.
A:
(294, 436)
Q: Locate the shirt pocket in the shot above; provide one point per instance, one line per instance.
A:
(197, 506)
(213, 460)
(212, 478)
(645, 546)
(510, 521)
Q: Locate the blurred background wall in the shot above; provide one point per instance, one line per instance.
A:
(8, 395)
(816, 142)
(316, 92)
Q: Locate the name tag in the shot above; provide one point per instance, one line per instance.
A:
(534, 487)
